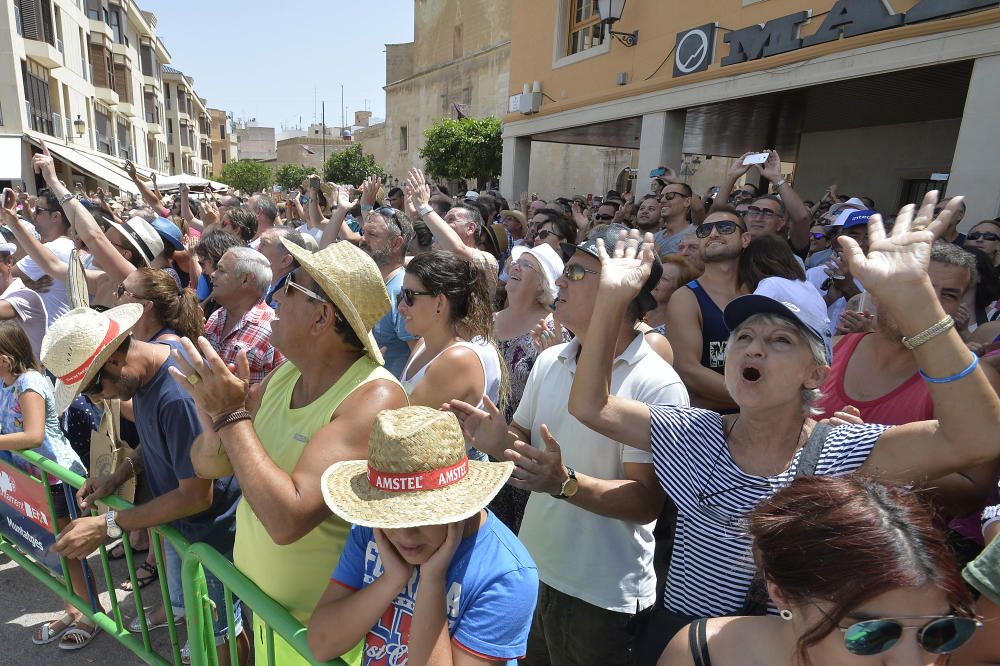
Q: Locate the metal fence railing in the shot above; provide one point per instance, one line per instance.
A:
(196, 559)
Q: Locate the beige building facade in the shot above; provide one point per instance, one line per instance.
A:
(224, 148)
(87, 78)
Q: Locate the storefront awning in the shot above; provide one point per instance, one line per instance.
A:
(88, 163)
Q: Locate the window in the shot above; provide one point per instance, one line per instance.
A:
(403, 139)
(585, 28)
(222, 131)
(223, 156)
(36, 94)
(457, 49)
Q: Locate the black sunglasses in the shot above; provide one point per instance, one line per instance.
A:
(604, 217)
(985, 235)
(724, 227)
(545, 233)
(670, 196)
(940, 635)
(407, 296)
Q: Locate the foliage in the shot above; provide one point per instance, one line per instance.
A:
(247, 176)
(351, 167)
(290, 176)
(463, 149)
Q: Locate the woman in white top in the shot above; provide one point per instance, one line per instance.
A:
(446, 301)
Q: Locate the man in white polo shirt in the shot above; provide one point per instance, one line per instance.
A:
(19, 303)
(589, 522)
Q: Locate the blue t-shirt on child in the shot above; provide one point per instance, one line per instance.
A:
(491, 590)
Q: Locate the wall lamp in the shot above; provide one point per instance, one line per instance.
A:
(611, 13)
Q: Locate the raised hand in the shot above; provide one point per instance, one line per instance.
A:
(216, 388)
(130, 169)
(771, 169)
(209, 213)
(342, 194)
(670, 176)
(369, 190)
(538, 470)
(42, 163)
(737, 168)
(902, 258)
(625, 271)
(421, 190)
(411, 209)
(542, 338)
(485, 430)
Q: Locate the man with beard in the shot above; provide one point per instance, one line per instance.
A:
(675, 217)
(647, 216)
(387, 233)
(697, 331)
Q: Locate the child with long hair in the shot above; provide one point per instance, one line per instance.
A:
(28, 420)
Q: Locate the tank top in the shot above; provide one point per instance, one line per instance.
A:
(714, 333)
(908, 402)
(296, 575)
(489, 359)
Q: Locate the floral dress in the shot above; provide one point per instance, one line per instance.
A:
(54, 446)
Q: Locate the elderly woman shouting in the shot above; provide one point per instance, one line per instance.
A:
(718, 468)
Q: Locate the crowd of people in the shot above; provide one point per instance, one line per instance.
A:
(642, 428)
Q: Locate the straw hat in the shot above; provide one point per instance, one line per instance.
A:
(78, 344)
(353, 282)
(417, 473)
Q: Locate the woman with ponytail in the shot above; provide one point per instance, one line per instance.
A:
(169, 312)
(447, 301)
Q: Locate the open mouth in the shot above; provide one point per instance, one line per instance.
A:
(751, 374)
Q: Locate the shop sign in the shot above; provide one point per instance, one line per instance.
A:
(847, 18)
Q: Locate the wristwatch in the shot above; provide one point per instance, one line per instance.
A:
(569, 486)
(423, 210)
(67, 197)
(113, 530)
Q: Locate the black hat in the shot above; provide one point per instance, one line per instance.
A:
(610, 233)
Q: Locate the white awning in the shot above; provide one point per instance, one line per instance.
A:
(89, 163)
(171, 183)
(10, 157)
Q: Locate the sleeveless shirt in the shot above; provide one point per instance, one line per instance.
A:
(714, 333)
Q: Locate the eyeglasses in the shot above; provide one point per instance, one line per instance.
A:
(985, 235)
(121, 291)
(576, 272)
(292, 284)
(604, 217)
(94, 387)
(670, 196)
(545, 233)
(521, 265)
(763, 212)
(818, 235)
(407, 296)
(940, 635)
(724, 227)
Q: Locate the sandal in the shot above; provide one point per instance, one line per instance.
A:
(135, 626)
(45, 634)
(79, 635)
(118, 551)
(141, 580)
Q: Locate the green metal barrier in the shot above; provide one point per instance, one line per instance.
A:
(199, 610)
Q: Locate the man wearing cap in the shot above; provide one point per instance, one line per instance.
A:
(17, 302)
(515, 223)
(833, 279)
(458, 231)
(243, 323)
(93, 353)
(312, 411)
(589, 521)
(697, 332)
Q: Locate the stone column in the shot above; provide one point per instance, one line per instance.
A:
(514, 172)
(975, 169)
(660, 144)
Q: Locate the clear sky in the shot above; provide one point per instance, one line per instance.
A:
(270, 60)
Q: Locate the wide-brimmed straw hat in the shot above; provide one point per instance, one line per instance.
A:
(417, 473)
(78, 344)
(353, 282)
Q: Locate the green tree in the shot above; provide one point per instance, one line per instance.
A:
(247, 176)
(351, 167)
(463, 149)
(290, 176)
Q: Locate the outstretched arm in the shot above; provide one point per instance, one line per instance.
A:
(446, 238)
(735, 172)
(148, 195)
(799, 217)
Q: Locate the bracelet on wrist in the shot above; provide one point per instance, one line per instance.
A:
(131, 466)
(424, 210)
(230, 418)
(952, 378)
(928, 333)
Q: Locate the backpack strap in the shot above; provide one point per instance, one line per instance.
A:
(699, 642)
(811, 450)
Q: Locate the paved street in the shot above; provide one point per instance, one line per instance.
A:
(27, 603)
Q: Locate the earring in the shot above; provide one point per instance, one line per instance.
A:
(785, 614)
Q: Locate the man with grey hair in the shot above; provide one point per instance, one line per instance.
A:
(267, 215)
(278, 256)
(243, 322)
(387, 233)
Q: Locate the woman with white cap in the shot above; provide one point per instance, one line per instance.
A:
(718, 468)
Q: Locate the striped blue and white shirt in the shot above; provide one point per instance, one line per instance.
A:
(712, 566)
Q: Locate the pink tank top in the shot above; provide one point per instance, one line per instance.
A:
(908, 402)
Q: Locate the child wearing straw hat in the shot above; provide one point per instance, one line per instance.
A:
(426, 569)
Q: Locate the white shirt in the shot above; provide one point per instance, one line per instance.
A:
(55, 301)
(603, 561)
(817, 276)
(30, 311)
(315, 232)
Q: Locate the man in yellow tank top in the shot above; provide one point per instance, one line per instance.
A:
(314, 410)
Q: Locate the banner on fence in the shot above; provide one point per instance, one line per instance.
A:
(24, 516)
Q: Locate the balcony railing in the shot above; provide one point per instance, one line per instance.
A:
(69, 127)
(57, 126)
(126, 152)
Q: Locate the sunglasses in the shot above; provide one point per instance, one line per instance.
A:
(763, 212)
(121, 291)
(818, 235)
(407, 296)
(724, 227)
(985, 235)
(576, 272)
(939, 636)
(545, 233)
(292, 284)
(604, 217)
(670, 196)
(94, 387)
